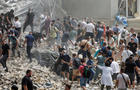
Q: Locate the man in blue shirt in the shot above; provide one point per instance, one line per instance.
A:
(116, 29)
(109, 52)
(29, 39)
(90, 64)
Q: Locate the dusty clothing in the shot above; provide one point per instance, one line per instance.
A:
(107, 73)
(121, 82)
(29, 21)
(53, 32)
(30, 17)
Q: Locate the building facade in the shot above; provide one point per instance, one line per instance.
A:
(105, 9)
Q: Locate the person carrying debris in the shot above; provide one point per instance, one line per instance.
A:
(29, 20)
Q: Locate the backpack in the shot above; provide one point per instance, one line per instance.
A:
(123, 34)
(86, 72)
(76, 62)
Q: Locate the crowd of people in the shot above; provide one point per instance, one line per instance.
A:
(92, 50)
(10, 44)
(98, 49)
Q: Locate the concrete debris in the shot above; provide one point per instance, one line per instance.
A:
(43, 77)
(45, 56)
(46, 7)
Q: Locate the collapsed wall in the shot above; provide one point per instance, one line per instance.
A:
(47, 7)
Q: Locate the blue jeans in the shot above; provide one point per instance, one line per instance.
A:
(91, 76)
(83, 81)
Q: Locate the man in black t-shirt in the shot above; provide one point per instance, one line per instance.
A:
(5, 55)
(27, 82)
(65, 59)
(130, 69)
(133, 46)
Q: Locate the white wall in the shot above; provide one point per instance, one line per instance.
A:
(91, 8)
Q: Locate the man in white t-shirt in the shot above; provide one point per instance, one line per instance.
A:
(115, 67)
(89, 29)
(123, 81)
(17, 25)
(126, 54)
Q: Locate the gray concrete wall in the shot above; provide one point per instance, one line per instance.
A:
(114, 8)
(91, 8)
(138, 7)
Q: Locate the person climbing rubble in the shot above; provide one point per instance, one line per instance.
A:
(29, 20)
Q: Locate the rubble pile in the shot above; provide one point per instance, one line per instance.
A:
(46, 7)
(41, 75)
(45, 56)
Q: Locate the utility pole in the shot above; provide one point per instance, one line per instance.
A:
(126, 8)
